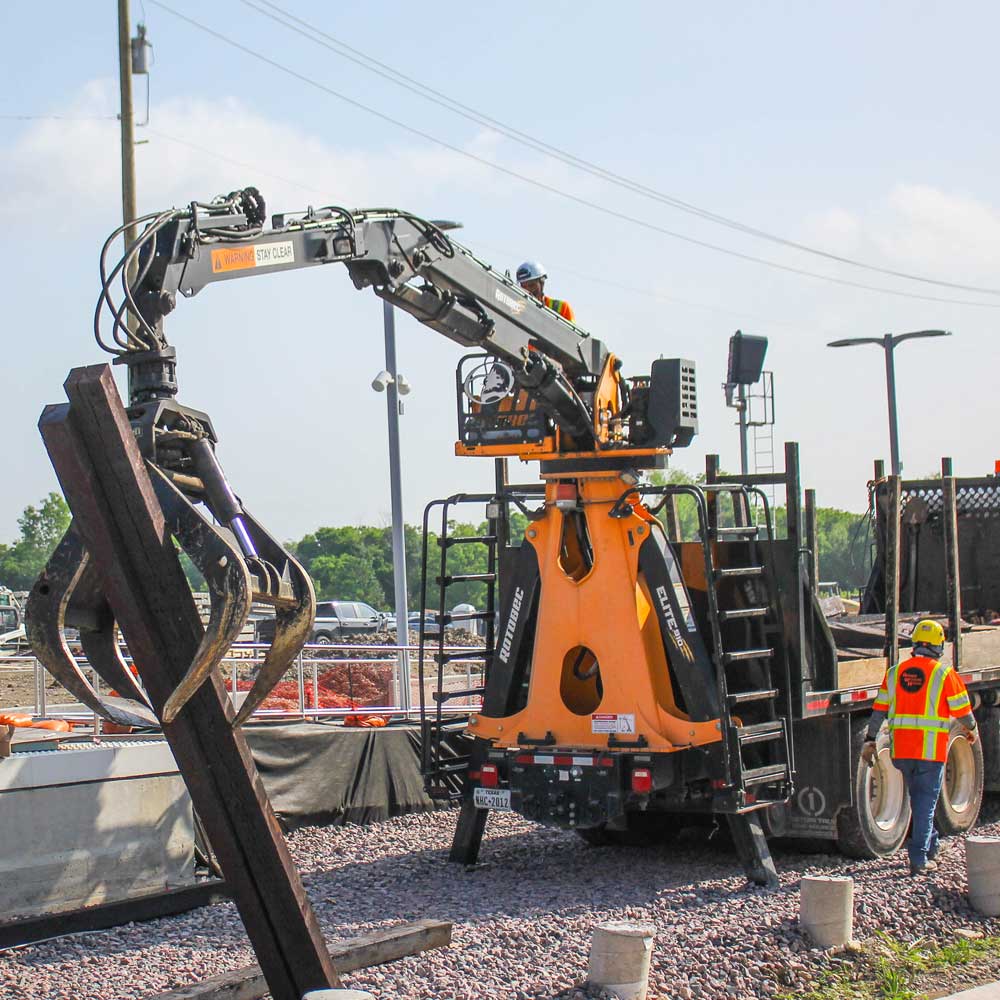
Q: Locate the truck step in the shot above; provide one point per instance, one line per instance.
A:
(468, 616)
(733, 571)
(444, 794)
(442, 696)
(747, 654)
(760, 732)
(455, 766)
(747, 531)
(446, 543)
(466, 654)
(764, 775)
(741, 697)
(447, 581)
(737, 614)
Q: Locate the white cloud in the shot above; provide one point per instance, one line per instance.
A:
(920, 229)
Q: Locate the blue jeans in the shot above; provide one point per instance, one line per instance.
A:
(923, 782)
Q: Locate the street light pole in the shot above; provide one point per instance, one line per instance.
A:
(888, 344)
(393, 404)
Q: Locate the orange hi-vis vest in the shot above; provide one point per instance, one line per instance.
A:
(560, 306)
(920, 696)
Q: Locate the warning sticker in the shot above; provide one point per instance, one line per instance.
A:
(612, 723)
(257, 255)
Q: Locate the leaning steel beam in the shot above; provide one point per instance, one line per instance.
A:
(121, 522)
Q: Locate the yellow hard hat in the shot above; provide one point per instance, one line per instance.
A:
(928, 633)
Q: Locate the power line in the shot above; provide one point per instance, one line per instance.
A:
(428, 93)
(59, 118)
(633, 289)
(541, 185)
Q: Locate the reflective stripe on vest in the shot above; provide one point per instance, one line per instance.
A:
(929, 724)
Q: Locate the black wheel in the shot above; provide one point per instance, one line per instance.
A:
(989, 733)
(323, 639)
(877, 823)
(962, 787)
(645, 829)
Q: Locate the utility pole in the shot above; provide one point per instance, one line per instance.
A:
(127, 120)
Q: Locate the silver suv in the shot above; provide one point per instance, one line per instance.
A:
(334, 620)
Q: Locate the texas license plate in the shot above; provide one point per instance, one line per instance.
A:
(491, 798)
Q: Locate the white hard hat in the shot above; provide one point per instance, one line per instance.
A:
(530, 270)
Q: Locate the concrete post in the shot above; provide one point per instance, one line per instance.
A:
(826, 909)
(982, 858)
(619, 958)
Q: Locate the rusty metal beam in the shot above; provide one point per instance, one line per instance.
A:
(122, 525)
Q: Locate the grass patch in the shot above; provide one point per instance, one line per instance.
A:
(888, 969)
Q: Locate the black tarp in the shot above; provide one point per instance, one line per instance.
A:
(325, 774)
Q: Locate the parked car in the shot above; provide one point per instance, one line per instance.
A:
(334, 620)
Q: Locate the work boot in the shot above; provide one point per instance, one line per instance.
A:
(927, 866)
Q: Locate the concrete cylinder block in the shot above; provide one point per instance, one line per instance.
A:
(620, 952)
(982, 858)
(826, 909)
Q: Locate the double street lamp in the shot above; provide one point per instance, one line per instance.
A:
(888, 344)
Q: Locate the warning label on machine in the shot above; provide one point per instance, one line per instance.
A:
(612, 723)
(257, 255)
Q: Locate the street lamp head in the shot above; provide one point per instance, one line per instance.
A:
(852, 341)
(382, 381)
(402, 386)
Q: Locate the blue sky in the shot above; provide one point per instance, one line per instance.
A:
(866, 130)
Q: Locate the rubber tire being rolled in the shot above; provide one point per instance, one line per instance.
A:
(877, 823)
(962, 786)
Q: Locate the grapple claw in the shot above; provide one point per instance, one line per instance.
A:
(89, 611)
(226, 576)
(67, 572)
(295, 608)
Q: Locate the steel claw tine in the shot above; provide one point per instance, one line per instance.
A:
(221, 565)
(292, 623)
(89, 611)
(45, 613)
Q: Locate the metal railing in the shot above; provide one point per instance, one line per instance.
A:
(369, 679)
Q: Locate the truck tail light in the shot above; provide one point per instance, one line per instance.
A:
(642, 780)
(489, 776)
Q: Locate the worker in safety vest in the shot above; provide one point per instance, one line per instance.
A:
(531, 277)
(920, 697)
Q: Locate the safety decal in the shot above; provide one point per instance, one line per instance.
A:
(258, 255)
(612, 722)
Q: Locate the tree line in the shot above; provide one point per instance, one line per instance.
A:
(354, 563)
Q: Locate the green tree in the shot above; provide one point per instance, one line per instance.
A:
(41, 528)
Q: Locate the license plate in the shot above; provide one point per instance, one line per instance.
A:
(491, 798)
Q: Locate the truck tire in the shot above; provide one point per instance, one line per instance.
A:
(962, 787)
(877, 823)
(323, 639)
(988, 718)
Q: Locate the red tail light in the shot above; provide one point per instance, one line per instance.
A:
(642, 780)
(489, 777)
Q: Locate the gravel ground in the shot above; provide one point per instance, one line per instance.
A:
(524, 916)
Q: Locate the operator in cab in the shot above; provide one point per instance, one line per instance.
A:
(531, 277)
(920, 697)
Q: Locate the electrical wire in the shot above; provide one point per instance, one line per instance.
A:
(633, 289)
(58, 118)
(400, 79)
(541, 185)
